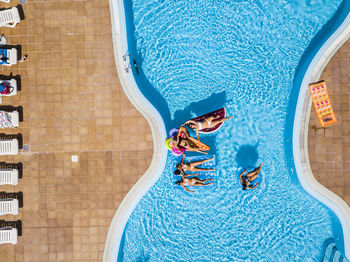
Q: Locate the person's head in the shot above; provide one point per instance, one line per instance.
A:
(178, 182)
(179, 166)
(183, 142)
(177, 172)
(191, 124)
(244, 186)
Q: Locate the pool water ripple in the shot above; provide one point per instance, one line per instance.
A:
(242, 55)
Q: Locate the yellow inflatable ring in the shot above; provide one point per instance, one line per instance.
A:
(168, 144)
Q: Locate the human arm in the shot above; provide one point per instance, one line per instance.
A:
(183, 158)
(197, 134)
(190, 191)
(248, 187)
(240, 176)
(186, 175)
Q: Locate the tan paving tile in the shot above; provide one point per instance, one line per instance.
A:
(329, 149)
(73, 104)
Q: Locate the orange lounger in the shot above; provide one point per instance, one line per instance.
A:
(322, 104)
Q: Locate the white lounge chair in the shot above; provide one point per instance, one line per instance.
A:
(11, 54)
(10, 17)
(9, 147)
(9, 119)
(10, 116)
(5, 1)
(12, 83)
(8, 235)
(8, 207)
(8, 177)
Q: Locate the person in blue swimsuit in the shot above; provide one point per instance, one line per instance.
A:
(248, 178)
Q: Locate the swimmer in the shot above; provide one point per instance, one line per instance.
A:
(183, 139)
(249, 177)
(192, 166)
(208, 122)
(193, 181)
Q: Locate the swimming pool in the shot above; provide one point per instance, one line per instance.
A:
(193, 64)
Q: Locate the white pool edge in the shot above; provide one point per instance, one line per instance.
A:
(300, 132)
(300, 150)
(156, 168)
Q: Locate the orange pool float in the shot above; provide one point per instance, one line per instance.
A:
(322, 104)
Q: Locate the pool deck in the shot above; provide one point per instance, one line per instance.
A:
(74, 105)
(329, 149)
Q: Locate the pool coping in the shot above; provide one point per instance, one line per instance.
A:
(300, 131)
(135, 96)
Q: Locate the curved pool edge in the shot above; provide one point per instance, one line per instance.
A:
(300, 132)
(135, 96)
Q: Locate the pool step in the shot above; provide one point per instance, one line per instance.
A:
(331, 252)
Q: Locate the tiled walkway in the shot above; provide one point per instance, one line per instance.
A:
(329, 149)
(73, 105)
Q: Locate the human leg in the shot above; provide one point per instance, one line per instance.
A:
(197, 163)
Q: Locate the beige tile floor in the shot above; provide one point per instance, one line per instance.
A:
(74, 105)
(329, 148)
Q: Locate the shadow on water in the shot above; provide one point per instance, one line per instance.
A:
(247, 156)
(143, 258)
(143, 83)
(214, 102)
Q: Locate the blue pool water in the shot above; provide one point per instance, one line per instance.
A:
(196, 56)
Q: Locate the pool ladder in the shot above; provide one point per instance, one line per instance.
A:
(331, 252)
(126, 61)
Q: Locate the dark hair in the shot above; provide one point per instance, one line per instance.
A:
(244, 186)
(178, 182)
(177, 172)
(191, 125)
(180, 140)
(179, 166)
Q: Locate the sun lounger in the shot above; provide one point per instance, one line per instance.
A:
(10, 231)
(10, 54)
(10, 116)
(5, 1)
(10, 17)
(9, 85)
(8, 235)
(322, 104)
(10, 173)
(9, 144)
(9, 177)
(12, 224)
(8, 207)
(12, 195)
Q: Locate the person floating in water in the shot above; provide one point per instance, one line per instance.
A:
(183, 139)
(247, 179)
(209, 122)
(192, 166)
(192, 181)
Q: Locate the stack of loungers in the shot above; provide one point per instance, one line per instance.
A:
(10, 117)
